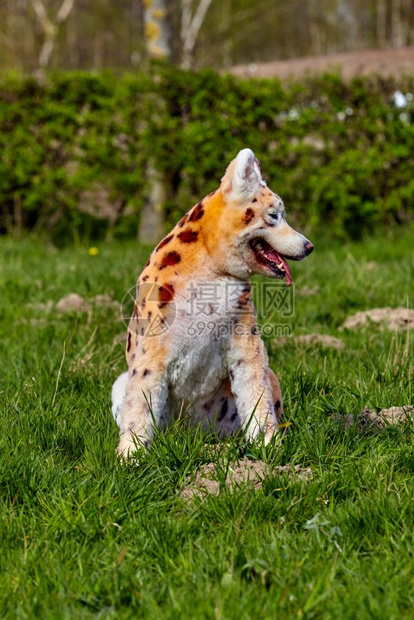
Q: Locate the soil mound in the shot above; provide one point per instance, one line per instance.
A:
(253, 473)
(393, 318)
(310, 340)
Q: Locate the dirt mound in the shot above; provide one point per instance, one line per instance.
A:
(390, 62)
(380, 419)
(76, 303)
(310, 340)
(393, 318)
(70, 303)
(253, 473)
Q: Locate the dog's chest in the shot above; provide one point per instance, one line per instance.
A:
(201, 333)
(198, 371)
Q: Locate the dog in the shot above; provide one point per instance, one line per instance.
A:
(192, 340)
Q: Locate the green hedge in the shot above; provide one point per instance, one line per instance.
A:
(339, 153)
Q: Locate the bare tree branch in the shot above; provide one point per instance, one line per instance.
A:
(42, 16)
(64, 11)
(39, 10)
(191, 28)
(185, 17)
(50, 29)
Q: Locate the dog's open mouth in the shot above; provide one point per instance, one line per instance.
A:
(266, 255)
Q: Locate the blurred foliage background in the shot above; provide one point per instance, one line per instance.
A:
(74, 150)
(98, 34)
(111, 112)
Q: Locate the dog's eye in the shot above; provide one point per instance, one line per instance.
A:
(274, 216)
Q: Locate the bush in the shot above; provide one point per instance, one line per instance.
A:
(75, 151)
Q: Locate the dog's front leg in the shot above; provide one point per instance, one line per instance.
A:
(145, 399)
(250, 384)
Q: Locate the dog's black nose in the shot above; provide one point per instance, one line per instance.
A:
(309, 248)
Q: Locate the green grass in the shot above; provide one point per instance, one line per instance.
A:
(84, 536)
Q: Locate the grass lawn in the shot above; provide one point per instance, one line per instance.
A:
(85, 536)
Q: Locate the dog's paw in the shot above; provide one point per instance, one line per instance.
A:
(129, 444)
(271, 433)
(126, 448)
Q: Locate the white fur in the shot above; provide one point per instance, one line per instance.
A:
(197, 364)
(286, 241)
(118, 395)
(246, 177)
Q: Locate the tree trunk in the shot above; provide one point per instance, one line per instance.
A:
(158, 44)
(190, 28)
(406, 21)
(315, 32)
(396, 22)
(381, 23)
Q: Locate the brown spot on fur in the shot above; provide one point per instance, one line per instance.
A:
(231, 374)
(149, 315)
(197, 213)
(146, 372)
(148, 262)
(244, 298)
(164, 242)
(145, 278)
(183, 220)
(234, 416)
(254, 200)
(170, 259)
(277, 405)
(133, 356)
(166, 293)
(188, 236)
(129, 342)
(134, 372)
(248, 215)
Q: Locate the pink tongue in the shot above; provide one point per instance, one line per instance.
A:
(287, 269)
(276, 258)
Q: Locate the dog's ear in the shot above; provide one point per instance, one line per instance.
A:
(242, 179)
